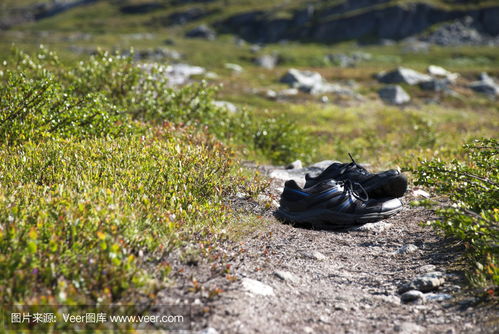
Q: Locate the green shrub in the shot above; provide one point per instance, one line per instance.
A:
(471, 213)
(100, 96)
(35, 105)
(79, 221)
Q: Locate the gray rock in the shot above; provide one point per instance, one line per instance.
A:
(328, 88)
(394, 95)
(230, 107)
(424, 283)
(427, 268)
(267, 61)
(348, 60)
(436, 85)
(299, 174)
(295, 165)
(302, 79)
(437, 297)
(314, 255)
(286, 276)
(179, 74)
(255, 48)
(403, 75)
(256, 287)
(321, 165)
(485, 85)
(313, 83)
(202, 31)
(271, 94)
(208, 330)
(288, 92)
(421, 193)
(409, 248)
(440, 72)
(234, 67)
(411, 296)
(377, 227)
(464, 31)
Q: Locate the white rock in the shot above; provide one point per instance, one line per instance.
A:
(288, 92)
(209, 330)
(437, 297)
(403, 75)
(438, 71)
(425, 283)
(308, 330)
(297, 164)
(298, 79)
(421, 193)
(406, 249)
(286, 276)
(230, 107)
(372, 227)
(427, 268)
(257, 288)
(394, 94)
(234, 67)
(315, 255)
(271, 94)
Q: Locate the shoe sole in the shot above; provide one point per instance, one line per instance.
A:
(332, 218)
(394, 187)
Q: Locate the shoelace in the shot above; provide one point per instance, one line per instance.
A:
(350, 186)
(353, 166)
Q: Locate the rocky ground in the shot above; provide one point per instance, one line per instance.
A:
(297, 279)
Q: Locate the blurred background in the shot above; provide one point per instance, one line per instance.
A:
(386, 80)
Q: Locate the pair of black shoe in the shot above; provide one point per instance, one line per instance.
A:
(343, 195)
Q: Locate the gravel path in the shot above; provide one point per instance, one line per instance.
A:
(295, 279)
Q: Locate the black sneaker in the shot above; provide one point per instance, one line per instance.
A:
(390, 183)
(333, 203)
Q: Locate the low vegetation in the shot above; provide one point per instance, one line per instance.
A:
(90, 194)
(470, 211)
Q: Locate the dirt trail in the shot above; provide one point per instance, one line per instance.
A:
(352, 289)
(299, 280)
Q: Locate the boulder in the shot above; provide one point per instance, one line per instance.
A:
(403, 75)
(302, 79)
(485, 85)
(424, 283)
(394, 95)
(436, 85)
(412, 296)
(313, 83)
(440, 72)
(202, 31)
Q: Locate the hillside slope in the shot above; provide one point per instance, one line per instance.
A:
(253, 20)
